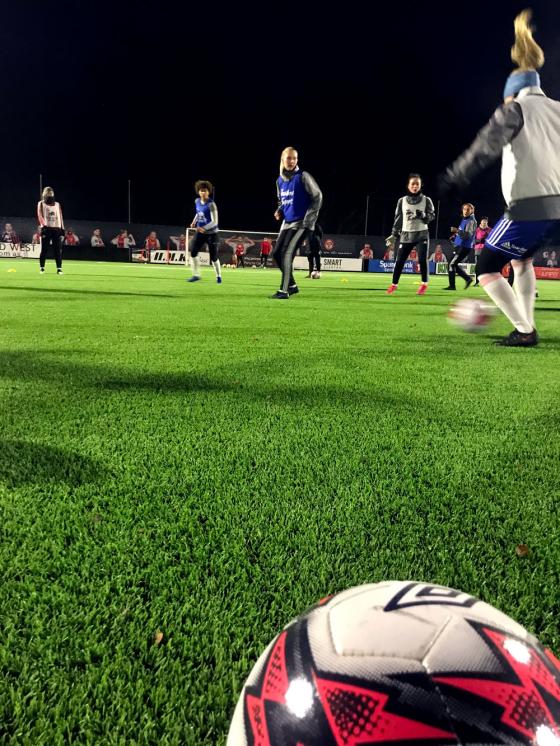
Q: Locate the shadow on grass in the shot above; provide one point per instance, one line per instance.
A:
(326, 379)
(75, 291)
(300, 383)
(35, 463)
(111, 275)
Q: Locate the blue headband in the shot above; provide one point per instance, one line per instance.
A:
(519, 80)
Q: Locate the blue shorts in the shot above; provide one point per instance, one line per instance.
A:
(521, 239)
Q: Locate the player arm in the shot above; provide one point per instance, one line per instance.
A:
(430, 213)
(503, 127)
(312, 188)
(279, 210)
(398, 221)
(60, 215)
(213, 218)
(40, 216)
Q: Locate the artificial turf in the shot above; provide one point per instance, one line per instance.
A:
(185, 467)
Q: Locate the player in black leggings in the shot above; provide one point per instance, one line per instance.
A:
(413, 214)
(299, 202)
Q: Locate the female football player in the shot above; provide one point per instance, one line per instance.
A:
(525, 131)
(299, 202)
(482, 233)
(413, 214)
(49, 217)
(462, 239)
(206, 223)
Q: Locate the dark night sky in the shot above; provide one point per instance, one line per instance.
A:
(94, 94)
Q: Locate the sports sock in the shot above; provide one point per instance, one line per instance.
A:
(524, 286)
(503, 296)
(196, 266)
(217, 267)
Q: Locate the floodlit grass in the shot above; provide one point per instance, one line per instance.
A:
(185, 467)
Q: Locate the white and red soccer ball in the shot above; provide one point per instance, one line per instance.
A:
(470, 314)
(401, 663)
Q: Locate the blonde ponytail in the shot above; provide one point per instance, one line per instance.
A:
(525, 52)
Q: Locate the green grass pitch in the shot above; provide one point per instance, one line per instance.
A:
(185, 467)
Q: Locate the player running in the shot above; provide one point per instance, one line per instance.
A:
(525, 131)
(413, 214)
(206, 223)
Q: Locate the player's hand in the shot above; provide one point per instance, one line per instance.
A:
(390, 242)
(278, 215)
(454, 230)
(200, 230)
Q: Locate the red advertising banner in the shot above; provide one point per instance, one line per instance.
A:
(547, 273)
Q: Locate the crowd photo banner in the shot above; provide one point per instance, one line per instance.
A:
(168, 244)
(19, 251)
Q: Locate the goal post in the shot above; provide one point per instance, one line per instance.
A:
(229, 241)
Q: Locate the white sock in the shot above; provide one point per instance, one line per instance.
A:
(217, 267)
(498, 289)
(525, 285)
(196, 266)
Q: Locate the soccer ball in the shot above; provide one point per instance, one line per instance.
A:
(315, 275)
(470, 314)
(401, 662)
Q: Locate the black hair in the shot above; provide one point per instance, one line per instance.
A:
(204, 185)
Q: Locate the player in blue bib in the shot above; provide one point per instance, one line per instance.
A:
(462, 238)
(206, 223)
(299, 202)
